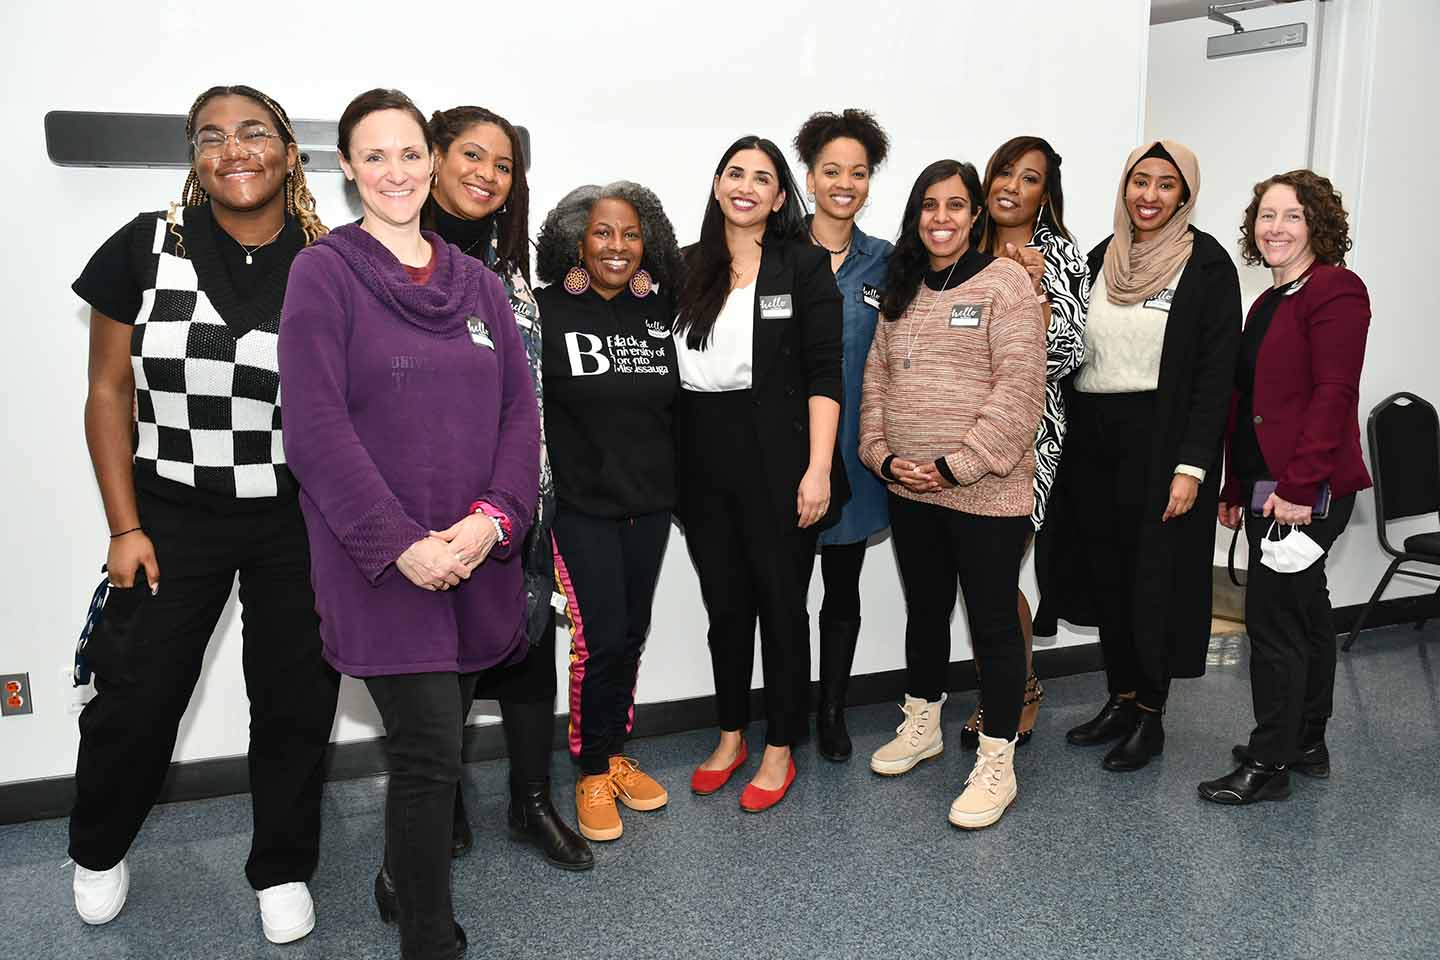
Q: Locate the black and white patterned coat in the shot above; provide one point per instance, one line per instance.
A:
(1067, 286)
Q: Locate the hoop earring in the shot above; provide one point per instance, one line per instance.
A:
(641, 283)
(577, 280)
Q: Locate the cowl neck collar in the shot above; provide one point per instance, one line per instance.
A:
(439, 306)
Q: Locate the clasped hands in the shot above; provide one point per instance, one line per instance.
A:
(446, 557)
(919, 477)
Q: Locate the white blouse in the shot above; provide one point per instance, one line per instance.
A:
(728, 360)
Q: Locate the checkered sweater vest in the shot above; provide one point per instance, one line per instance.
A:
(207, 391)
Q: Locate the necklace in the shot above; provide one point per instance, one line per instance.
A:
(915, 327)
(250, 251)
(833, 253)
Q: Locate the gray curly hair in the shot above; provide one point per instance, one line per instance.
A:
(560, 234)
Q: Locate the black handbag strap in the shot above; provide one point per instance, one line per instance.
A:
(1230, 563)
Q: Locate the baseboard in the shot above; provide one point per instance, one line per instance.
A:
(201, 779)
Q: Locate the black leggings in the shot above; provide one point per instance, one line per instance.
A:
(934, 547)
(840, 565)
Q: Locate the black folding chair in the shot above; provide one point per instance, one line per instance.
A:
(1404, 435)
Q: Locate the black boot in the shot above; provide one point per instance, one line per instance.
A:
(1251, 782)
(387, 901)
(533, 818)
(1314, 759)
(1146, 740)
(461, 837)
(837, 655)
(1115, 720)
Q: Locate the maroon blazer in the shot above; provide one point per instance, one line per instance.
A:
(1307, 390)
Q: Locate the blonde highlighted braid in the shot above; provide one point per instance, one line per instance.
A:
(299, 201)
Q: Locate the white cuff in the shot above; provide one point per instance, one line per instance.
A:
(1190, 471)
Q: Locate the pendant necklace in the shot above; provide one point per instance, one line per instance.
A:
(915, 328)
(250, 251)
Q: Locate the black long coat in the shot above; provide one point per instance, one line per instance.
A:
(1173, 572)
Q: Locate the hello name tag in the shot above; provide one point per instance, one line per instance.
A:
(871, 295)
(779, 307)
(1160, 301)
(525, 313)
(479, 333)
(966, 314)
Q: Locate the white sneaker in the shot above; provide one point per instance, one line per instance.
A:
(990, 788)
(919, 738)
(99, 894)
(286, 912)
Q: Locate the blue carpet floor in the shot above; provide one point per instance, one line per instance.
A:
(1089, 864)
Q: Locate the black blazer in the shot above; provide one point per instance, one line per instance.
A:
(794, 358)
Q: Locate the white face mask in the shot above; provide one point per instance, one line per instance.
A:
(1291, 553)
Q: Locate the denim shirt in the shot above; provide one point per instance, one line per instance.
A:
(861, 280)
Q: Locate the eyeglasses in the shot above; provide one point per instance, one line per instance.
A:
(254, 140)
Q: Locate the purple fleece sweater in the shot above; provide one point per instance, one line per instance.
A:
(404, 403)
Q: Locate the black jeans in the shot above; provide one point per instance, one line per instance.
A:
(128, 729)
(1107, 453)
(1292, 641)
(526, 693)
(934, 547)
(840, 565)
(609, 567)
(423, 714)
(751, 565)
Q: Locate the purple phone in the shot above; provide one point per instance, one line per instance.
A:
(1319, 510)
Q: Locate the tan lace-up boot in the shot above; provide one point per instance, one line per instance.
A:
(919, 738)
(990, 788)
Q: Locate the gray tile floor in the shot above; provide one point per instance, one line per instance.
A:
(1089, 864)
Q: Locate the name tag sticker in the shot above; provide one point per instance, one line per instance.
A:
(779, 307)
(966, 314)
(479, 333)
(657, 329)
(525, 313)
(1160, 301)
(871, 295)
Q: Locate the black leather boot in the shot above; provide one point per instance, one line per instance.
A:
(1251, 782)
(1314, 760)
(1146, 740)
(837, 655)
(533, 818)
(1115, 719)
(387, 901)
(461, 837)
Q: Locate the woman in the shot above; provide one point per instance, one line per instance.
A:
(954, 388)
(759, 347)
(840, 152)
(1295, 428)
(415, 437)
(480, 202)
(185, 307)
(1132, 537)
(610, 259)
(1025, 209)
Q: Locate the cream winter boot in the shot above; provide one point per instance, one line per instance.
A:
(990, 788)
(919, 738)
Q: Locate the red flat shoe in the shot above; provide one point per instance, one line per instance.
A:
(706, 782)
(754, 799)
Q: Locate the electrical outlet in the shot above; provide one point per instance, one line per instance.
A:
(15, 694)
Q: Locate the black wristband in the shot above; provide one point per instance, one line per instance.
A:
(885, 469)
(944, 469)
(117, 536)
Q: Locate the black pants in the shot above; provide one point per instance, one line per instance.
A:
(423, 714)
(1292, 641)
(526, 693)
(128, 730)
(840, 565)
(1107, 453)
(609, 568)
(751, 565)
(935, 547)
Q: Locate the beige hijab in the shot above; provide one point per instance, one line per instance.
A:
(1135, 270)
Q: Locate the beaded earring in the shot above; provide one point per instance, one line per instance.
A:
(641, 283)
(577, 280)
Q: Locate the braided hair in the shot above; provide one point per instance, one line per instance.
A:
(299, 201)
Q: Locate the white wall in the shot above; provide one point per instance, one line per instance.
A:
(653, 95)
(1368, 80)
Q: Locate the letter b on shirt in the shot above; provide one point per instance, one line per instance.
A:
(587, 356)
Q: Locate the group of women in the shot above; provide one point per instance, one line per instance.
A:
(460, 456)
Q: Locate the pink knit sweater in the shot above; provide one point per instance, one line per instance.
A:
(972, 392)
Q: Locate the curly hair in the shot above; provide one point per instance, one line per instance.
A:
(1324, 215)
(565, 225)
(910, 259)
(859, 125)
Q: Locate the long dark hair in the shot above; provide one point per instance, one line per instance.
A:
(512, 220)
(910, 260)
(707, 265)
(1052, 214)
